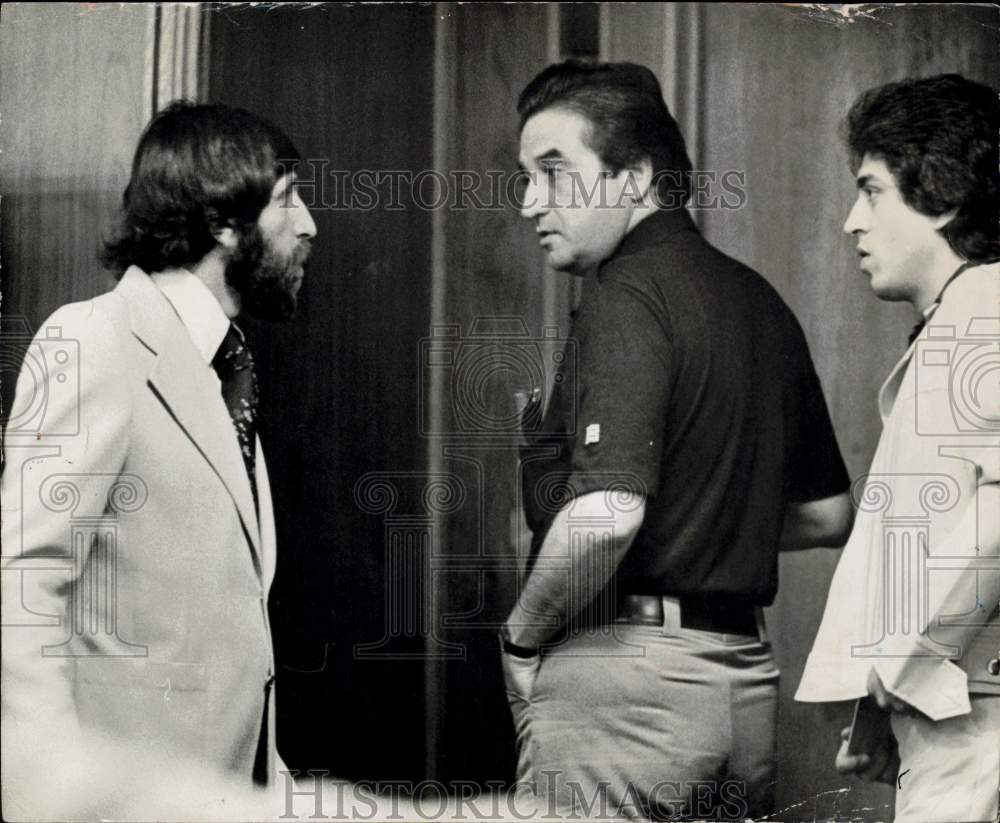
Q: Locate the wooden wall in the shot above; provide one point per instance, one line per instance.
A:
(491, 285)
(354, 396)
(73, 99)
(353, 86)
(772, 88)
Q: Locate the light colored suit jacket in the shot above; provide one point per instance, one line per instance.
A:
(135, 568)
(916, 592)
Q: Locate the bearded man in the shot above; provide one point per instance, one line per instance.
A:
(138, 533)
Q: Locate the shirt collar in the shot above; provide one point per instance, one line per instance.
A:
(656, 229)
(967, 264)
(197, 308)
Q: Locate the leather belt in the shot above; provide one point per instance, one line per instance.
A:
(710, 614)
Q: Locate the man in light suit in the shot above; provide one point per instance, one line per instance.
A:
(138, 534)
(912, 616)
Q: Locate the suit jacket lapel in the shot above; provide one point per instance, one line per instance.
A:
(186, 385)
(890, 388)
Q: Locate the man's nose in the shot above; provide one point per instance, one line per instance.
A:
(531, 201)
(856, 219)
(305, 226)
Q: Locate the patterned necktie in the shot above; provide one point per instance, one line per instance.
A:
(234, 365)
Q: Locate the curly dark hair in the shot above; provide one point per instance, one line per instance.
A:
(938, 136)
(629, 121)
(198, 167)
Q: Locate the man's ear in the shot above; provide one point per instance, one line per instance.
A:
(225, 236)
(637, 181)
(943, 220)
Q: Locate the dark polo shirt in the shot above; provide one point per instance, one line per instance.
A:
(687, 380)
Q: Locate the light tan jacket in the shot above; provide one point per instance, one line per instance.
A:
(916, 591)
(135, 569)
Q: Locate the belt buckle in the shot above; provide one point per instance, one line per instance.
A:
(640, 610)
(671, 625)
(758, 612)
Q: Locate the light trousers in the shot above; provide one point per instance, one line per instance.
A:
(949, 771)
(638, 722)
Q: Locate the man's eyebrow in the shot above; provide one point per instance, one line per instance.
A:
(551, 154)
(868, 179)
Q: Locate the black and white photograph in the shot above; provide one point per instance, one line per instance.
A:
(500, 411)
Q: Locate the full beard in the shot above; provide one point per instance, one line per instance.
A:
(267, 281)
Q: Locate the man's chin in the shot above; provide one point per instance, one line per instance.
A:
(566, 265)
(888, 292)
(272, 296)
(276, 305)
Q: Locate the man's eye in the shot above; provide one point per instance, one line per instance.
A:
(870, 194)
(552, 171)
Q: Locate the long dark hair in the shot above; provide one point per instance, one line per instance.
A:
(198, 168)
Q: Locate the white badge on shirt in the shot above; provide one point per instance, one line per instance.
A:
(592, 434)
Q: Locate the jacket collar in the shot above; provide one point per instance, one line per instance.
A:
(952, 305)
(189, 389)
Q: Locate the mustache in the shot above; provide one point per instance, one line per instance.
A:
(302, 253)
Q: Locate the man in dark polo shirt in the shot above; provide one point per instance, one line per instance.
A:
(687, 442)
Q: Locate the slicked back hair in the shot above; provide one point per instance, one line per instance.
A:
(628, 120)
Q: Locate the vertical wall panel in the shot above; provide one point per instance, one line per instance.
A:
(181, 52)
(493, 282)
(73, 100)
(353, 86)
(668, 39)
